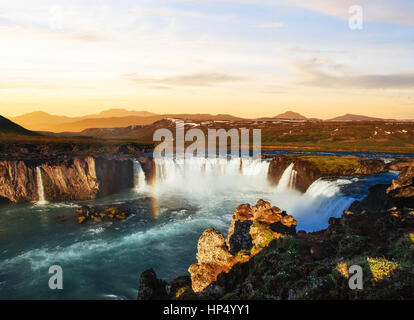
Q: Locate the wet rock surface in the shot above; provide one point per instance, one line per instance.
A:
(115, 212)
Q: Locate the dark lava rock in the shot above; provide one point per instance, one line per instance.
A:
(241, 238)
(150, 287)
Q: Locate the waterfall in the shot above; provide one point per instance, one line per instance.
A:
(40, 189)
(139, 177)
(211, 175)
(288, 179)
(217, 181)
(322, 200)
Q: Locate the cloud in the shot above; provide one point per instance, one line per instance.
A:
(326, 74)
(195, 79)
(395, 11)
(279, 24)
(168, 12)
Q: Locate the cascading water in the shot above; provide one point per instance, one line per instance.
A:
(322, 200)
(200, 176)
(246, 179)
(288, 179)
(40, 188)
(139, 177)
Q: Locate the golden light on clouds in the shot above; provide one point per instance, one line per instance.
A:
(195, 58)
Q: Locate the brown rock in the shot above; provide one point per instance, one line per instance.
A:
(251, 229)
(213, 258)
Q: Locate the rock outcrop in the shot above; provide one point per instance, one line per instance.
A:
(400, 163)
(310, 168)
(213, 257)
(150, 287)
(383, 197)
(402, 189)
(102, 213)
(251, 229)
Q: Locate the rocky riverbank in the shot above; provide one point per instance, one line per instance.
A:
(263, 257)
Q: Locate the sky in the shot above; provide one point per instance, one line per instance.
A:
(249, 58)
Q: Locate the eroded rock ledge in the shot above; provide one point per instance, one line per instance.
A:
(255, 261)
(310, 168)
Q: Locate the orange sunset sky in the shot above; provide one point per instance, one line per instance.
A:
(247, 58)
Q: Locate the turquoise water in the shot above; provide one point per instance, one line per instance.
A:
(104, 261)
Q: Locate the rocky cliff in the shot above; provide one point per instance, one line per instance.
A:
(78, 178)
(18, 181)
(310, 168)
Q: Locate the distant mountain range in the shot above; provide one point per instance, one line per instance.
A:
(117, 118)
(355, 117)
(8, 127)
(113, 118)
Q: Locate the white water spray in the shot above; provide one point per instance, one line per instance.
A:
(213, 182)
(140, 183)
(40, 189)
(288, 179)
(312, 210)
(200, 176)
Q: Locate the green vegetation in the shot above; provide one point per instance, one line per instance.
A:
(329, 166)
(381, 268)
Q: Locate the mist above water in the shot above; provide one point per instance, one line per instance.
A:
(208, 181)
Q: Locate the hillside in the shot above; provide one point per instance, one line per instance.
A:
(290, 115)
(8, 127)
(277, 134)
(119, 113)
(355, 117)
(43, 121)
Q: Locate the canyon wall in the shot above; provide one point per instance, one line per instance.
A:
(311, 168)
(18, 181)
(78, 178)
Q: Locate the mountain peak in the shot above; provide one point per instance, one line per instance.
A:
(119, 112)
(354, 117)
(290, 115)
